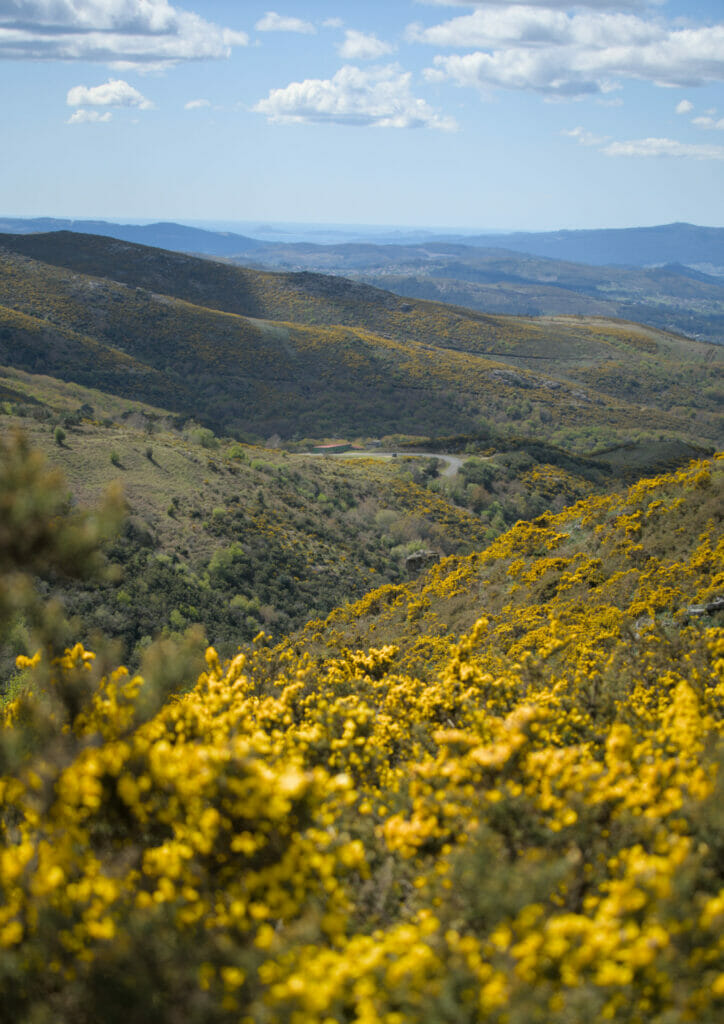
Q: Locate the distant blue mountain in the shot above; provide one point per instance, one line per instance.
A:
(685, 244)
(671, 276)
(634, 247)
(178, 237)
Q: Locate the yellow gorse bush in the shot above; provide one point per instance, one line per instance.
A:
(530, 830)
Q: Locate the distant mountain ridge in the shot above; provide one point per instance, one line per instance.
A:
(639, 247)
(162, 235)
(683, 243)
(683, 292)
(307, 355)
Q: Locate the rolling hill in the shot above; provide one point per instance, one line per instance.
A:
(305, 354)
(491, 790)
(669, 277)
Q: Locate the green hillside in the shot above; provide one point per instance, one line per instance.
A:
(494, 794)
(233, 537)
(306, 355)
(610, 566)
(241, 539)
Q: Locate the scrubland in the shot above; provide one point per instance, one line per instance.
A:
(493, 793)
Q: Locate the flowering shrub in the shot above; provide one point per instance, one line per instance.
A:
(530, 830)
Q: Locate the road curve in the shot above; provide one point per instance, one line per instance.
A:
(452, 462)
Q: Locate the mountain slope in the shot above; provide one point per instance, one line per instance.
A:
(617, 273)
(308, 354)
(162, 235)
(611, 565)
(525, 825)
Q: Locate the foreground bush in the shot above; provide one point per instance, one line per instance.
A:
(512, 839)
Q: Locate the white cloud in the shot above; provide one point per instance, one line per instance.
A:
(684, 107)
(376, 97)
(663, 147)
(332, 23)
(586, 138)
(570, 54)
(530, 70)
(709, 122)
(196, 104)
(134, 32)
(89, 117)
(360, 46)
(113, 93)
(529, 25)
(273, 22)
(601, 5)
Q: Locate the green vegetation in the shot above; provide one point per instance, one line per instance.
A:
(236, 538)
(455, 753)
(513, 812)
(241, 539)
(256, 354)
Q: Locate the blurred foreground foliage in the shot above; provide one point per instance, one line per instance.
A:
(524, 833)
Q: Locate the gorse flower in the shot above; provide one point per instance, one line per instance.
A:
(520, 821)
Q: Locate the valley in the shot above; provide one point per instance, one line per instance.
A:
(427, 728)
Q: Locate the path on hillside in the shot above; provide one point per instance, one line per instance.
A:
(452, 462)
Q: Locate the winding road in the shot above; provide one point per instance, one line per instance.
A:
(452, 462)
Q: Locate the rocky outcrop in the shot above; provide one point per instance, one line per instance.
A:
(420, 560)
(716, 604)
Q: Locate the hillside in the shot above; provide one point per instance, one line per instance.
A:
(672, 297)
(229, 536)
(303, 354)
(278, 537)
(609, 566)
(179, 237)
(514, 817)
(666, 280)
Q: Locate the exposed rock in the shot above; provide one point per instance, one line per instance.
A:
(642, 623)
(419, 560)
(716, 604)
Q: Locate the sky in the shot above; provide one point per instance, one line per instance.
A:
(531, 116)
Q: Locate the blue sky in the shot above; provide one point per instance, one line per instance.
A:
(496, 115)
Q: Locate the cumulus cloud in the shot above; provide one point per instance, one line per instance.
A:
(89, 117)
(707, 121)
(196, 104)
(113, 93)
(558, 53)
(664, 147)
(585, 137)
(360, 46)
(273, 22)
(601, 5)
(684, 107)
(529, 25)
(650, 147)
(134, 32)
(376, 97)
